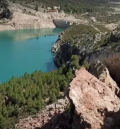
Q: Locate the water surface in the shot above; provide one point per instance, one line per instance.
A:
(26, 51)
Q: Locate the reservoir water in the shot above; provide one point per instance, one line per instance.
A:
(26, 51)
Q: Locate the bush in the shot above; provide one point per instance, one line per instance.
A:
(75, 61)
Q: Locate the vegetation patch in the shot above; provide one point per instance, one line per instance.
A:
(76, 31)
(102, 28)
(28, 94)
(113, 18)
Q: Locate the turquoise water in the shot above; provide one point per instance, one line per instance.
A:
(26, 51)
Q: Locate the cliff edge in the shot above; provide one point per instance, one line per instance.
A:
(93, 101)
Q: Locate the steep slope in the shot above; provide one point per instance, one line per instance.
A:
(92, 104)
(89, 44)
(95, 104)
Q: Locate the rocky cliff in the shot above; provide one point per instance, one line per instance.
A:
(80, 40)
(89, 44)
(95, 102)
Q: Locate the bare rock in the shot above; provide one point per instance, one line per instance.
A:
(92, 99)
(56, 46)
(101, 72)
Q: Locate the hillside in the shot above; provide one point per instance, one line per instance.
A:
(74, 6)
(78, 46)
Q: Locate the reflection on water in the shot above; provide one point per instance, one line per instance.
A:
(27, 34)
(26, 51)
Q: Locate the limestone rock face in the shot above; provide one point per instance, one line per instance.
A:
(92, 99)
(101, 72)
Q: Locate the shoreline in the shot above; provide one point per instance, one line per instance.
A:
(51, 31)
(9, 29)
(21, 26)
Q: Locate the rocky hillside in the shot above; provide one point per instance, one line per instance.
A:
(90, 43)
(92, 103)
(93, 94)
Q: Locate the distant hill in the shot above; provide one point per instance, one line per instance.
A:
(74, 6)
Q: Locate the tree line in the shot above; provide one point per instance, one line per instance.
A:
(68, 6)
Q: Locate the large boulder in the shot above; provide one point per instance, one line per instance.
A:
(92, 100)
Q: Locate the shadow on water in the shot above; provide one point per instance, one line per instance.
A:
(51, 66)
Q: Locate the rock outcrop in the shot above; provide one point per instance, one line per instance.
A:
(56, 46)
(93, 100)
(100, 71)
